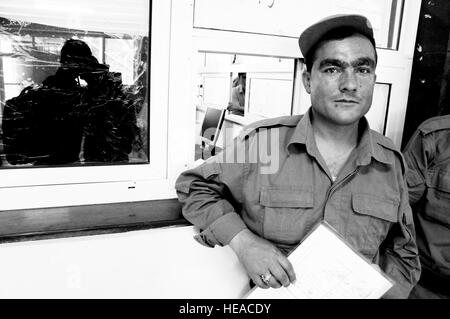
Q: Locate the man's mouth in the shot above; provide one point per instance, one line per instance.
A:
(348, 101)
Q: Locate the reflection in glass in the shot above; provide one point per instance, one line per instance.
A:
(247, 87)
(236, 105)
(71, 97)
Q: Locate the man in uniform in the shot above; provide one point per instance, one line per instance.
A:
(428, 157)
(329, 166)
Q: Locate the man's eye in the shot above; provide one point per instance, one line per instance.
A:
(331, 70)
(365, 70)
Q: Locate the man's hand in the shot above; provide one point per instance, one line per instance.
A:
(261, 257)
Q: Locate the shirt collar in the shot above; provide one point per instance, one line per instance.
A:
(367, 147)
(302, 131)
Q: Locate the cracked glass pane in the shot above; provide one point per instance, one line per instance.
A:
(74, 91)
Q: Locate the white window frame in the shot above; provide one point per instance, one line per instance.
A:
(23, 188)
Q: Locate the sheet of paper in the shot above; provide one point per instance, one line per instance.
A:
(327, 268)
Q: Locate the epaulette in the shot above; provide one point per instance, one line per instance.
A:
(290, 121)
(387, 143)
(435, 124)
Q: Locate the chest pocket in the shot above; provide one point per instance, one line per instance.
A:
(438, 196)
(286, 212)
(370, 222)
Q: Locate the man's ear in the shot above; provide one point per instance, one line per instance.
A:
(306, 77)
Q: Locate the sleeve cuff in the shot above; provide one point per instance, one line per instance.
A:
(401, 288)
(222, 231)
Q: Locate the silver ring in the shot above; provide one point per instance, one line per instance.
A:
(265, 278)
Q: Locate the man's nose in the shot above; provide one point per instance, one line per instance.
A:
(348, 81)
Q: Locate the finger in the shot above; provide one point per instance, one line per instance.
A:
(273, 282)
(288, 269)
(261, 284)
(280, 276)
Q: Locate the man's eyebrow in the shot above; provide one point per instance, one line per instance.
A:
(332, 62)
(364, 62)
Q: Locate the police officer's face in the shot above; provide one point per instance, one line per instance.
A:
(342, 80)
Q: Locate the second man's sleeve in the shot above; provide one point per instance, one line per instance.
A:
(399, 255)
(416, 157)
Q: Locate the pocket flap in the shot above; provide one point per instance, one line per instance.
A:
(442, 181)
(287, 197)
(383, 208)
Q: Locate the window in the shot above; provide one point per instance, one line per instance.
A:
(249, 87)
(74, 93)
(120, 35)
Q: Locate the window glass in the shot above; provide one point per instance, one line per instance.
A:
(73, 83)
(245, 87)
(270, 94)
(378, 112)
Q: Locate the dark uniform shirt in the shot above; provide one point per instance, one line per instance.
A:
(428, 157)
(289, 189)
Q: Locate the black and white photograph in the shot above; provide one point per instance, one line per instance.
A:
(234, 152)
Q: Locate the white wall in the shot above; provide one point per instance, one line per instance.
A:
(157, 263)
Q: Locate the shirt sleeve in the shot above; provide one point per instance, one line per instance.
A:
(209, 195)
(399, 257)
(416, 156)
